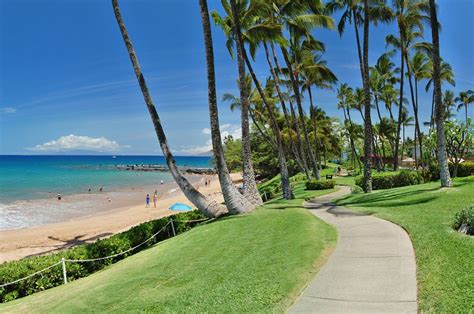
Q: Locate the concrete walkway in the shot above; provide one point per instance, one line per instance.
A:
(371, 270)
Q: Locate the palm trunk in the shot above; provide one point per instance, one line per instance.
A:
(285, 180)
(440, 135)
(351, 139)
(415, 107)
(236, 202)
(294, 82)
(315, 127)
(206, 206)
(283, 105)
(298, 141)
(403, 142)
(400, 106)
(368, 120)
(259, 129)
(250, 190)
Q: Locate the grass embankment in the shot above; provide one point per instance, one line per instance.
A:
(250, 263)
(444, 258)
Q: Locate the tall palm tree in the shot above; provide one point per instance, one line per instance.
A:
(249, 186)
(409, 16)
(299, 17)
(235, 201)
(439, 110)
(464, 100)
(206, 206)
(344, 95)
(238, 18)
(368, 137)
(316, 73)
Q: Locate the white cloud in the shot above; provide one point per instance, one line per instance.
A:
(226, 129)
(8, 110)
(76, 142)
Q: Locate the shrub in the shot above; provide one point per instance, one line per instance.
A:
(320, 185)
(465, 169)
(11, 271)
(465, 217)
(388, 180)
(356, 190)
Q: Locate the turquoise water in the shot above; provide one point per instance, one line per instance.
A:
(29, 185)
(32, 177)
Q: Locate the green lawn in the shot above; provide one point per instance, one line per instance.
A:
(445, 258)
(257, 262)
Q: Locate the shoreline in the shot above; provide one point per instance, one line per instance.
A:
(32, 241)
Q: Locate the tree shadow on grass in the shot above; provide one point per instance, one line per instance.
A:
(389, 198)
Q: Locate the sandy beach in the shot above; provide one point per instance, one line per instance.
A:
(19, 243)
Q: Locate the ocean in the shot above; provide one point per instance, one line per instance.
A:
(28, 184)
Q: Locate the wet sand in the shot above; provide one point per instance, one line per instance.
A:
(120, 215)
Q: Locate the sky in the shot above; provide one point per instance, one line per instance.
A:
(67, 84)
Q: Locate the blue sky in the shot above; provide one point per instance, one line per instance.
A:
(65, 71)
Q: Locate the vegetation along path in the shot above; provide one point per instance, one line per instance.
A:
(372, 269)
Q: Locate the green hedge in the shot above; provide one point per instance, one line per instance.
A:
(320, 185)
(390, 180)
(11, 271)
(465, 217)
(465, 169)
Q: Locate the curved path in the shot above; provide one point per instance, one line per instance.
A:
(371, 270)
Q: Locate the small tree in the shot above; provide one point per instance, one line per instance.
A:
(459, 138)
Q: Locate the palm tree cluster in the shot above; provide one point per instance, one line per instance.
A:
(418, 62)
(275, 110)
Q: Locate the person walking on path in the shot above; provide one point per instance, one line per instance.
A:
(148, 200)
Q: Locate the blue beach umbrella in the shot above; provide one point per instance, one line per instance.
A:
(180, 206)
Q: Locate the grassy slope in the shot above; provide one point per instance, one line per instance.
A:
(251, 263)
(445, 259)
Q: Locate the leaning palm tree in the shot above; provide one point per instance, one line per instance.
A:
(235, 201)
(439, 110)
(206, 206)
(464, 100)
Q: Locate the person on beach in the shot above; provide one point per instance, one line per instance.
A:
(161, 182)
(59, 196)
(155, 198)
(101, 189)
(148, 200)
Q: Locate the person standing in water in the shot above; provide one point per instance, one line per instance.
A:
(147, 200)
(59, 196)
(155, 198)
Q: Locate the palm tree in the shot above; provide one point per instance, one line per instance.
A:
(232, 27)
(439, 110)
(299, 18)
(368, 137)
(286, 114)
(344, 95)
(410, 17)
(315, 72)
(447, 75)
(206, 206)
(464, 100)
(449, 103)
(249, 186)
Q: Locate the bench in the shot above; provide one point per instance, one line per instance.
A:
(328, 176)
